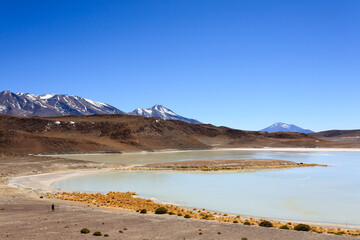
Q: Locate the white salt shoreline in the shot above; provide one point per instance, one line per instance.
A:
(43, 182)
(265, 149)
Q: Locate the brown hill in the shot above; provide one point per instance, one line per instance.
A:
(337, 133)
(340, 137)
(115, 133)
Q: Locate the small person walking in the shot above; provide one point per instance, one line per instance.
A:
(53, 207)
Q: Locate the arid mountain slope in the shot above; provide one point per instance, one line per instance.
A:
(338, 133)
(340, 136)
(115, 133)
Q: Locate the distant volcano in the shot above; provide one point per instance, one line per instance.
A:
(284, 127)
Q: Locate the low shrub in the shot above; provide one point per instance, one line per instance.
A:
(171, 213)
(235, 221)
(106, 235)
(302, 227)
(206, 217)
(179, 214)
(247, 223)
(97, 234)
(187, 216)
(84, 230)
(284, 227)
(244, 238)
(143, 211)
(161, 210)
(265, 223)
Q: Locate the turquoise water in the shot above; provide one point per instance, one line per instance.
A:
(319, 194)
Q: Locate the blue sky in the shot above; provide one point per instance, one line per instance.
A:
(242, 64)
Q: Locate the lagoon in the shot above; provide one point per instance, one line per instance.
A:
(314, 194)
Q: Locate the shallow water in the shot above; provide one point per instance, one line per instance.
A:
(319, 194)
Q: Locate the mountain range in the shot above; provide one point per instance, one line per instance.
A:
(52, 105)
(284, 127)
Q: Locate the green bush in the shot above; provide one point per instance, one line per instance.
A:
(235, 221)
(244, 238)
(265, 223)
(106, 235)
(187, 216)
(143, 211)
(179, 214)
(302, 227)
(171, 213)
(247, 223)
(97, 234)
(161, 210)
(85, 231)
(284, 227)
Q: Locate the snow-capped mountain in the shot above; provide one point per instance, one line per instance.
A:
(161, 112)
(47, 105)
(284, 127)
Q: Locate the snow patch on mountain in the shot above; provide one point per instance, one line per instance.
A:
(46, 96)
(98, 104)
(2, 108)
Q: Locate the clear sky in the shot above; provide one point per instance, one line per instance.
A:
(244, 63)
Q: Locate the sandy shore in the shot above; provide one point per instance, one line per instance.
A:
(23, 215)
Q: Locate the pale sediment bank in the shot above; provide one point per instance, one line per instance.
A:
(225, 164)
